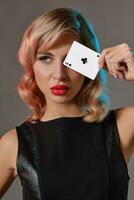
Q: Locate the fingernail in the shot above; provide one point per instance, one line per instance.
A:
(100, 65)
(120, 77)
(115, 75)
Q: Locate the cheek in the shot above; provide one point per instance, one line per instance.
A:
(80, 82)
(76, 78)
(40, 76)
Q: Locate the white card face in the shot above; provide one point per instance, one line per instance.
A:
(83, 60)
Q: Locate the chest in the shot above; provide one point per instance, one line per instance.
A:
(73, 163)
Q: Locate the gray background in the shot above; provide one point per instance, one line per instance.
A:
(113, 23)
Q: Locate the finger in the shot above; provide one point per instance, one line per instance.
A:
(112, 52)
(118, 74)
(111, 60)
(112, 64)
(116, 54)
(123, 60)
(116, 62)
(101, 60)
(122, 68)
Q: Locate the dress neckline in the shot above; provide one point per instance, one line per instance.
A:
(59, 119)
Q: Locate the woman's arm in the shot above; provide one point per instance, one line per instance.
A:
(119, 61)
(125, 125)
(8, 153)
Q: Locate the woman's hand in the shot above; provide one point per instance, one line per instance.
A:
(118, 61)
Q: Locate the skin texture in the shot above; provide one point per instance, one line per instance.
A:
(50, 71)
(117, 60)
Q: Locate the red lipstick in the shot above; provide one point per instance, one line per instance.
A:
(59, 89)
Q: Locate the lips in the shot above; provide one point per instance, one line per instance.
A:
(59, 90)
(60, 87)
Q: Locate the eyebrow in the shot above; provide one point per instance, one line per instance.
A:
(45, 53)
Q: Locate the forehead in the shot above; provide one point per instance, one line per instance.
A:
(63, 43)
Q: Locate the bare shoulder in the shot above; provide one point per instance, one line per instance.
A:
(9, 148)
(125, 125)
(9, 137)
(8, 154)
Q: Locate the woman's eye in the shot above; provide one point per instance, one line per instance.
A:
(45, 59)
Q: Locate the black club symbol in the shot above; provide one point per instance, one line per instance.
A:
(84, 60)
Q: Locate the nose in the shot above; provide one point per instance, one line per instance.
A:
(60, 71)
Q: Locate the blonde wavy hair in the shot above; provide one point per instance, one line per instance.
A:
(43, 32)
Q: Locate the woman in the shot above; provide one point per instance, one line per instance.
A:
(72, 146)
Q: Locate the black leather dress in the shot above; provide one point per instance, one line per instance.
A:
(69, 159)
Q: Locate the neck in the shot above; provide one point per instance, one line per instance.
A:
(62, 110)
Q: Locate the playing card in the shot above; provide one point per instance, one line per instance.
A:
(83, 60)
